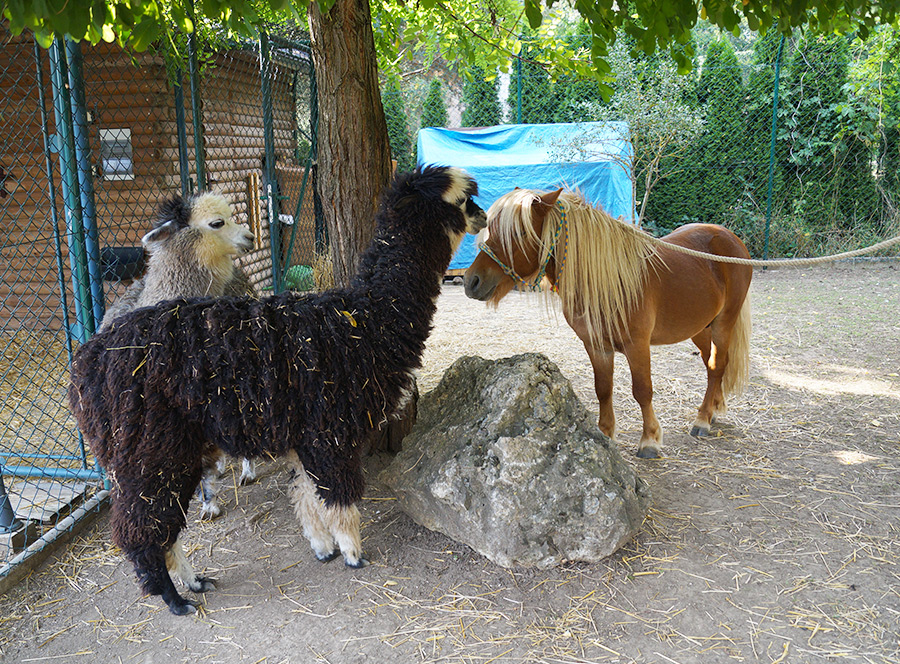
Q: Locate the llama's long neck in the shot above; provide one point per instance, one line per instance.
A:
(400, 279)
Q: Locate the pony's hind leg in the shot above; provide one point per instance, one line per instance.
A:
(714, 359)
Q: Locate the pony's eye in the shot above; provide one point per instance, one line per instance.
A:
(218, 223)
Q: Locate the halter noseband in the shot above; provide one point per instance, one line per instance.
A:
(535, 284)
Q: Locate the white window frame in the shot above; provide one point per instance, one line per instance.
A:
(116, 154)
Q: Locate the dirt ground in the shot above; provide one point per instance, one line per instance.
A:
(777, 539)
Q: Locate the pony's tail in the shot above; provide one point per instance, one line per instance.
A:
(737, 371)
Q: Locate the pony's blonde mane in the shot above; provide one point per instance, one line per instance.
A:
(606, 263)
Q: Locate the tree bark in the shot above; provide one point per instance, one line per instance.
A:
(354, 157)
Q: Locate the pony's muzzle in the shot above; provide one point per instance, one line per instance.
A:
(478, 287)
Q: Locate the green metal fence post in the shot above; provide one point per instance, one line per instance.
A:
(269, 172)
(65, 144)
(196, 112)
(519, 88)
(8, 521)
(772, 147)
(85, 173)
(184, 169)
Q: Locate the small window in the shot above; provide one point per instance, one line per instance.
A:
(116, 154)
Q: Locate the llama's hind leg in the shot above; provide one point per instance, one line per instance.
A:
(178, 564)
(153, 575)
(248, 471)
(209, 484)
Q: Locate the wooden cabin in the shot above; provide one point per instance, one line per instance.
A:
(133, 130)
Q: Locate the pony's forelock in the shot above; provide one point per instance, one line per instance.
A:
(606, 259)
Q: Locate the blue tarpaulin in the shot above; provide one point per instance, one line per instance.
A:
(586, 156)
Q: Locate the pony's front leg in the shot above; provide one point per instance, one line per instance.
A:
(642, 389)
(602, 362)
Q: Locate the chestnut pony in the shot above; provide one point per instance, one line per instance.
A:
(622, 292)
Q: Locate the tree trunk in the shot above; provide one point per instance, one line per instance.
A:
(354, 157)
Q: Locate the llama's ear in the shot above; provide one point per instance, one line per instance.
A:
(159, 234)
(174, 209)
(549, 199)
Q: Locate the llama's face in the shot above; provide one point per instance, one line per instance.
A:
(211, 215)
(461, 192)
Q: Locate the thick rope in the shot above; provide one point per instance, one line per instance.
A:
(779, 262)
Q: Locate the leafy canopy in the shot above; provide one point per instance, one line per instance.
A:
(483, 32)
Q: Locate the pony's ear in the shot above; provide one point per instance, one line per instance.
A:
(549, 199)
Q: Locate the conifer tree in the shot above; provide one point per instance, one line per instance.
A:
(719, 154)
(398, 126)
(481, 100)
(434, 110)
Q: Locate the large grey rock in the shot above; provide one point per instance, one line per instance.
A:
(506, 459)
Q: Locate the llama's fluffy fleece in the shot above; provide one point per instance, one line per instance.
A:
(309, 373)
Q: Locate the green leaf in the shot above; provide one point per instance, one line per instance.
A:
(144, 34)
(44, 37)
(533, 13)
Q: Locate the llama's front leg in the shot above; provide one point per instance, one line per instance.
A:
(213, 467)
(642, 389)
(330, 530)
(209, 487)
(343, 522)
(307, 509)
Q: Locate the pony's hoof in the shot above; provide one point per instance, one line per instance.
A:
(184, 607)
(699, 432)
(648, 453)
(359, 564)
(327, 557)
(202, 584)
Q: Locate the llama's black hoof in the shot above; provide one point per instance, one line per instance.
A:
(184, 607)
(699, 432)
(203, 584)
(359, 564)
(328, 557)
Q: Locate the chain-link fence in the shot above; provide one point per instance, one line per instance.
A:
(792, 143)
(94, 138)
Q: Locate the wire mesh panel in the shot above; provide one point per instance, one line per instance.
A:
(821, 178)
(257, 108)
(44, 470)
(95, 137)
